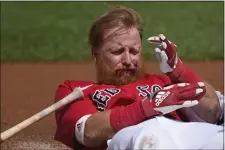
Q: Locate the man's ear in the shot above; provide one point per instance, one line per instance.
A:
(94, 56)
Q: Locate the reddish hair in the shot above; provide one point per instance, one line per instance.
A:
(118, 16)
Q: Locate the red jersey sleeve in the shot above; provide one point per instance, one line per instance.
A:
(67, 116)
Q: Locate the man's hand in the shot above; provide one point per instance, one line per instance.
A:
(166, 53)
(173, 97)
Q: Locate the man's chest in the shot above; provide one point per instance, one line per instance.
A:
(107, 96)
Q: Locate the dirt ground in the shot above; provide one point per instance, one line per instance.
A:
(29, 88)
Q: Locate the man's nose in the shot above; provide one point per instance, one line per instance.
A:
(126, 57)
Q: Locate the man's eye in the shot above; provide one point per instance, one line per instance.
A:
(134, 52)
(118, 52)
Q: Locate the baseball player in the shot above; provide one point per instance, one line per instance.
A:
(124, 94)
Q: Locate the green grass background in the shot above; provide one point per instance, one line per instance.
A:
(58, 31)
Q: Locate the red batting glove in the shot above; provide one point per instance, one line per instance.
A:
(173, 97)
(168, 99)
(166, 53)
(170, 63)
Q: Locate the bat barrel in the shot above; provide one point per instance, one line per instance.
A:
(76, 94)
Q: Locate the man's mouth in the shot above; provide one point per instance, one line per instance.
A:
(126, 72)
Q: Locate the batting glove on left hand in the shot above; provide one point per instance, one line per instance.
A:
(166, 53)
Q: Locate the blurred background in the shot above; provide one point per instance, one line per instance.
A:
(45, 43)
(58, 31)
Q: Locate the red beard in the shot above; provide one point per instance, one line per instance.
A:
(122, 76)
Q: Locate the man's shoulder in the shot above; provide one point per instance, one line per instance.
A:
(75, 83)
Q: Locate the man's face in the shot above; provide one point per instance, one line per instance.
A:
(119, 59)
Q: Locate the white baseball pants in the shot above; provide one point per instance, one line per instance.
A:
(164, 133)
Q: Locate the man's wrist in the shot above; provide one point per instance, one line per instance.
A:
(177, 72)
(183, 74)
(148, 109)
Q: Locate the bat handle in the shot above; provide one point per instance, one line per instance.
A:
(76, 94)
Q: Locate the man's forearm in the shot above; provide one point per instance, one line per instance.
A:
(98, 129)
(208, 108)
(102, 126)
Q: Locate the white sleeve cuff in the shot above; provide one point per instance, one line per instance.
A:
(79, 128)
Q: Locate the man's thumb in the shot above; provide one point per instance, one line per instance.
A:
(190, 103)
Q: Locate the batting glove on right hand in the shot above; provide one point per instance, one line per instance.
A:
(173, 97)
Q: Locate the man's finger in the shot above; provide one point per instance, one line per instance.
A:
(183, 84)
(190, 103)
(154, 40)
(191, 93)
(166, 42)
(201, 84)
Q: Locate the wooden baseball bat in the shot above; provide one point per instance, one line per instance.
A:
(76, 94)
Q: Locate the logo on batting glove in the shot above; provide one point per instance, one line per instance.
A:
(160, 97)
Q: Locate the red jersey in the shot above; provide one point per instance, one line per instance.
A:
(99, 98)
